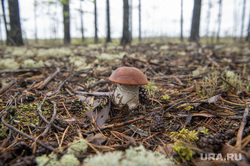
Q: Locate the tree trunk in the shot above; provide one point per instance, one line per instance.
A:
(208, 19)
(81, 21)
(243, 19)
(181, 37)
(195, 27)
(15, 33)
(248, 30)
(130, 19)
(95, 9)
(66, 22)
(219, 21)
(35, 17)
(108, 38)
(125, 34)
(139, 20)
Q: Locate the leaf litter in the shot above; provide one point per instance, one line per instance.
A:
(52, 96)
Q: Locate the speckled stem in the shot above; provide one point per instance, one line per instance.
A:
(126, 95)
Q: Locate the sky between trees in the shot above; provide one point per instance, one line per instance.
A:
(159, 18)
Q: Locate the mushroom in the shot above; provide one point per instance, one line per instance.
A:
(128, 80)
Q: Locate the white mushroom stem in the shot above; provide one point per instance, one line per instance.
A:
(126, 95)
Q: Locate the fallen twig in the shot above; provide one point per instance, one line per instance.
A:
(51, 121)
(6, 87)
(25, 135)
(39, 111)
(20, 71)
(114, 125)
(48, 79)
(242, 126)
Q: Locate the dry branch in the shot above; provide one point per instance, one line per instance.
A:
(48, 79)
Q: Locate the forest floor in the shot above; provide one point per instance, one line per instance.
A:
(196, 110)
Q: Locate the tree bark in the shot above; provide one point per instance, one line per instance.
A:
(219, 21)
(81, 21)
(108, 38)
(15, 33)
(130, 18)
(95, 10)
(139, 8)
(208, 19)
(66, 21)
(195, 27)
(243, 19)
(126, 33)
(248, 30)
(181, 37)
(35, 22)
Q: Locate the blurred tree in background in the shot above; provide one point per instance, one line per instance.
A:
(66, 21)
(14, 32)
(195, 27)
(126, 39)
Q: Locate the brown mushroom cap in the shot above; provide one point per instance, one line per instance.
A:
(128, 76)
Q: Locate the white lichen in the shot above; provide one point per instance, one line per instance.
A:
(31, 64)
(69, 159)
(137, 156)
(78, 147)
(53, 53)
(50, 160)
(9, 63)
(104, 57)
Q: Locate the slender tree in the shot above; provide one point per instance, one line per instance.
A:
(1, 39)
(15, 32)
(126, 39)
(108, 38)
(208, 18)
(248, 30)
(81, 21)
(35, 22)
(139, 8)
(181, 37)
(66, 21)
(95, 10)
(130, 18)
(195, 27)
(243, 19)
(219, 21)
(235, 20)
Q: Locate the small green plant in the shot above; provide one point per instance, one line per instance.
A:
(184, 140)
(197, 87)
(151, 88)
(184, 149)
(188, 108)
(208, 85)
(248, 84)
(165, 97)
(232, 79)
(205, 131)
(185, 134)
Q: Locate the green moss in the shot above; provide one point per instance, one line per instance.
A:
(165, 97)
(184, 149)
(184, 140)
(205, 131)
